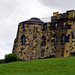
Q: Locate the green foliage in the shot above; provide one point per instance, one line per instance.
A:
(2, 61)
(10, 58)
(50, 66)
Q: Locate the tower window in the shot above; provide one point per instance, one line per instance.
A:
(44, 41)
(22, 50)
(44, 27)
(24, 26)
(64, 25)
(72, 35)
(56, 26)
(42, 53)
(63, 39)
(23, 40)
(55, 39)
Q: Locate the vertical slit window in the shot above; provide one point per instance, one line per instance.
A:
(63, 39)
(64, 25)
(72, 35)
(42, 53)
(44, 27)
(23, 40)
(24, 26)
(22, 52)
(56, 26)
(44, 41)
(55, 39)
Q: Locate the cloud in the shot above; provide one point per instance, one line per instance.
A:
(14, 11)
(11, 13)
(57, 4)
(5, 48)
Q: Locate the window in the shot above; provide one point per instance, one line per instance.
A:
(23, 40)
(56, 26)
(44, 27)
(72, 35)
(63, 39)
(44, 41)
(64, 25)
(22, 52)
(42, 53)
(24, 26)
(55, 39)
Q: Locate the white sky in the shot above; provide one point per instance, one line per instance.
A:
(14, 11)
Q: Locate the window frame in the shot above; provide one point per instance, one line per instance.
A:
(42, 53)
(23, 39)
(56, 26)
(55, 39)
(64, 25)
(44, 27)
(44, 40)
(22, 51)
(24, 26)
(63, 39)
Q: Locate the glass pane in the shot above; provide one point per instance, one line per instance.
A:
(23, 40)
(24, 26)
(45, 27)
(64, 24)
(22, 52)
(44, 40)
(56, 26)
(63, 39)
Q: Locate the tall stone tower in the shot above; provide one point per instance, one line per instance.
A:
(27, 42)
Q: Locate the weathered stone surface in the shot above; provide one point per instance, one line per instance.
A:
(40, 41)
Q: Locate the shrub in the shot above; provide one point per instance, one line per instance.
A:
(10, 57)
(2, 61)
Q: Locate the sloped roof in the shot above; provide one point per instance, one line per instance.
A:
(34, 20)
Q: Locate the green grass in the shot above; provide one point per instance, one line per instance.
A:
(50, 66)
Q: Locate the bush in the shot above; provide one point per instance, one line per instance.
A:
(2, 61)
(10, 57)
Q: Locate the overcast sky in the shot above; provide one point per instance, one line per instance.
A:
(14, 11)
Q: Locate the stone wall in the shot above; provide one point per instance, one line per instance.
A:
(46, 40)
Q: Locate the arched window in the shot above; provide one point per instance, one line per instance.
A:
(63, 39)
(44, 27)
(56, 26)
(55, 39)
(23, 39)
(24, 26)
(64, 25)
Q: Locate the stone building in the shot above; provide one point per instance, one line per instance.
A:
(36, 39)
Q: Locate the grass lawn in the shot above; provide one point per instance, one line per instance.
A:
(50, 66)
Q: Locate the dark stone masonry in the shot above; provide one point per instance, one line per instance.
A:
(36, 39)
